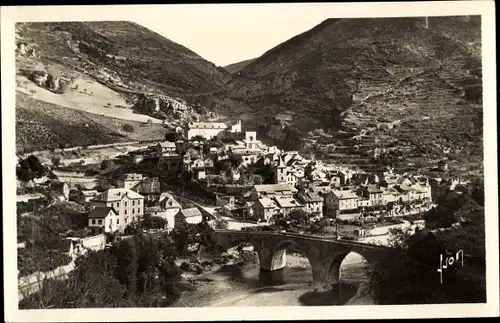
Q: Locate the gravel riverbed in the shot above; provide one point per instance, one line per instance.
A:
(240, 284)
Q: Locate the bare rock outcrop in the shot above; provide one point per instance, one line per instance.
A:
(25, 49)
(46, 80)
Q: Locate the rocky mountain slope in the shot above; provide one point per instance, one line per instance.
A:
(236, 67)
(357, 75)
(113, 69)
(133, 52)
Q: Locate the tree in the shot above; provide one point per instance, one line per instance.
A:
(298, 216)
(106, 164)
(154, 222)
(218, 180)
(235, 160)
(23, 171)
(411, 265)
(223, 165)
(56, 161)
(173, 136)
(30, 168)
(257, 179)
(140, 272)
(199, 138)
(128, 127)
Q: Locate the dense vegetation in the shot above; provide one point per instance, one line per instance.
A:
(138, 272)
(135, 272)
(412, 267)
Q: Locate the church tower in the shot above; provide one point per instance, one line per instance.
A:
(280, 172)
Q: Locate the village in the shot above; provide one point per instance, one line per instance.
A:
(244, 183)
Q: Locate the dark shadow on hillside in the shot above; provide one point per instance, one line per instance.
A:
(330, 296)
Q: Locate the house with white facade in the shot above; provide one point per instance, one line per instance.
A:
(312, 202)
(191, 216)
(166, 208)
(264, 208)
(287, 204)
(127, 205)
(102, 217)
(207, 130)
(342, 202)
(235, 128)
(270, 190)
(165, 147)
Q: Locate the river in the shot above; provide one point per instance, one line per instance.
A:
(243, 284)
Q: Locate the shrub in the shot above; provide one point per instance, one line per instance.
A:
(128, 128)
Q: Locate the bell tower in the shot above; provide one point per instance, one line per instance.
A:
(280, 172)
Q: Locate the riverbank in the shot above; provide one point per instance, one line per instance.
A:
(242, 284)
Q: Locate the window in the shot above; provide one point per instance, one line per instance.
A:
(93, 221)
(125, 203)
(126, 220)
(133, 202)
(99, 221)
(117, 221)
(133, 211)
(110, 221)
(138, 210)
(125, 212)
(139, 202)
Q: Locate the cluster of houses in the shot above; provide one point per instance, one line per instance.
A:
(116, 208)
(340, 193)
(192, 155)
(318, 188)
(298, 183)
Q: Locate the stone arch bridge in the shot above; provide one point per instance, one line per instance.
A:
(325, 255)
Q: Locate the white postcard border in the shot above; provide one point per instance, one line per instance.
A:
(9, 15)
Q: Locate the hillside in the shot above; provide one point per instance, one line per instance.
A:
(116, 70)
(41, 125)
(357, 75)
(236, 67)
(138, 55)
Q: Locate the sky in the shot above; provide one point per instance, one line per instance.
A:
(227, 34)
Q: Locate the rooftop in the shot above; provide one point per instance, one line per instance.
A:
(167, 144)
(373, 189)
(116, 194)
(267, 203)
(101, 212)
(287, 202)
(131, 177)
(190, 212)
(345, 194)
(207, 125)
(272, 188)
(311, 197)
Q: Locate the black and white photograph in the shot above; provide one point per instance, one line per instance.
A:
(205, 160)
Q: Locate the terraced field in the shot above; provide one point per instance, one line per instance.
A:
(426, 114)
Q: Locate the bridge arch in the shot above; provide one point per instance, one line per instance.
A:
(334, 271)
(278, 254)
